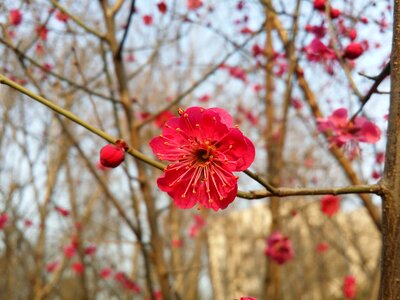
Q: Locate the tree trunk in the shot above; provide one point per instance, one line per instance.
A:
(390, 279)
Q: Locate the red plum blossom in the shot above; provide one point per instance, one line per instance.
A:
(204, 148)
(279, 248)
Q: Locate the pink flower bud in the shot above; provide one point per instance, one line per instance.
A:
(352, 34)
(62, 211)
(62, 17)
(42, 32)
(380, 158)
(111, 156)
(147, 20)
(330, 205)
(353, 51)
(335, 13)
(15, 17)
(28, 223)
(162, 7)
(319, 5)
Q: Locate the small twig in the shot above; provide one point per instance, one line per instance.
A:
(261, 181)
(121, 44)
(78, 21)
(378, 80)
(367, 76)
(382, 92)
(117, 6)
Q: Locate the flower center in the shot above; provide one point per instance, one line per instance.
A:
(205, 155)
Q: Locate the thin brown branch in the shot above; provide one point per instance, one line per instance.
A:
(373, 89)
(286, 192)
(128, 23)
(261, 181)
(78, 21)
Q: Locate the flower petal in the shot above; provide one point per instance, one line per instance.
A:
(238, 150)
(221, 204)
(168, 148)
(171, 183)
(339, 117)
(369, 132)
(214, 189)
(223, 115)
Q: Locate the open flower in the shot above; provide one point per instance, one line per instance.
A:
(344, 131)
(318, 30)
(205, 149)
(279, 248)
(318, 52)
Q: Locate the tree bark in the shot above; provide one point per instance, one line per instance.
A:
(390, 279)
